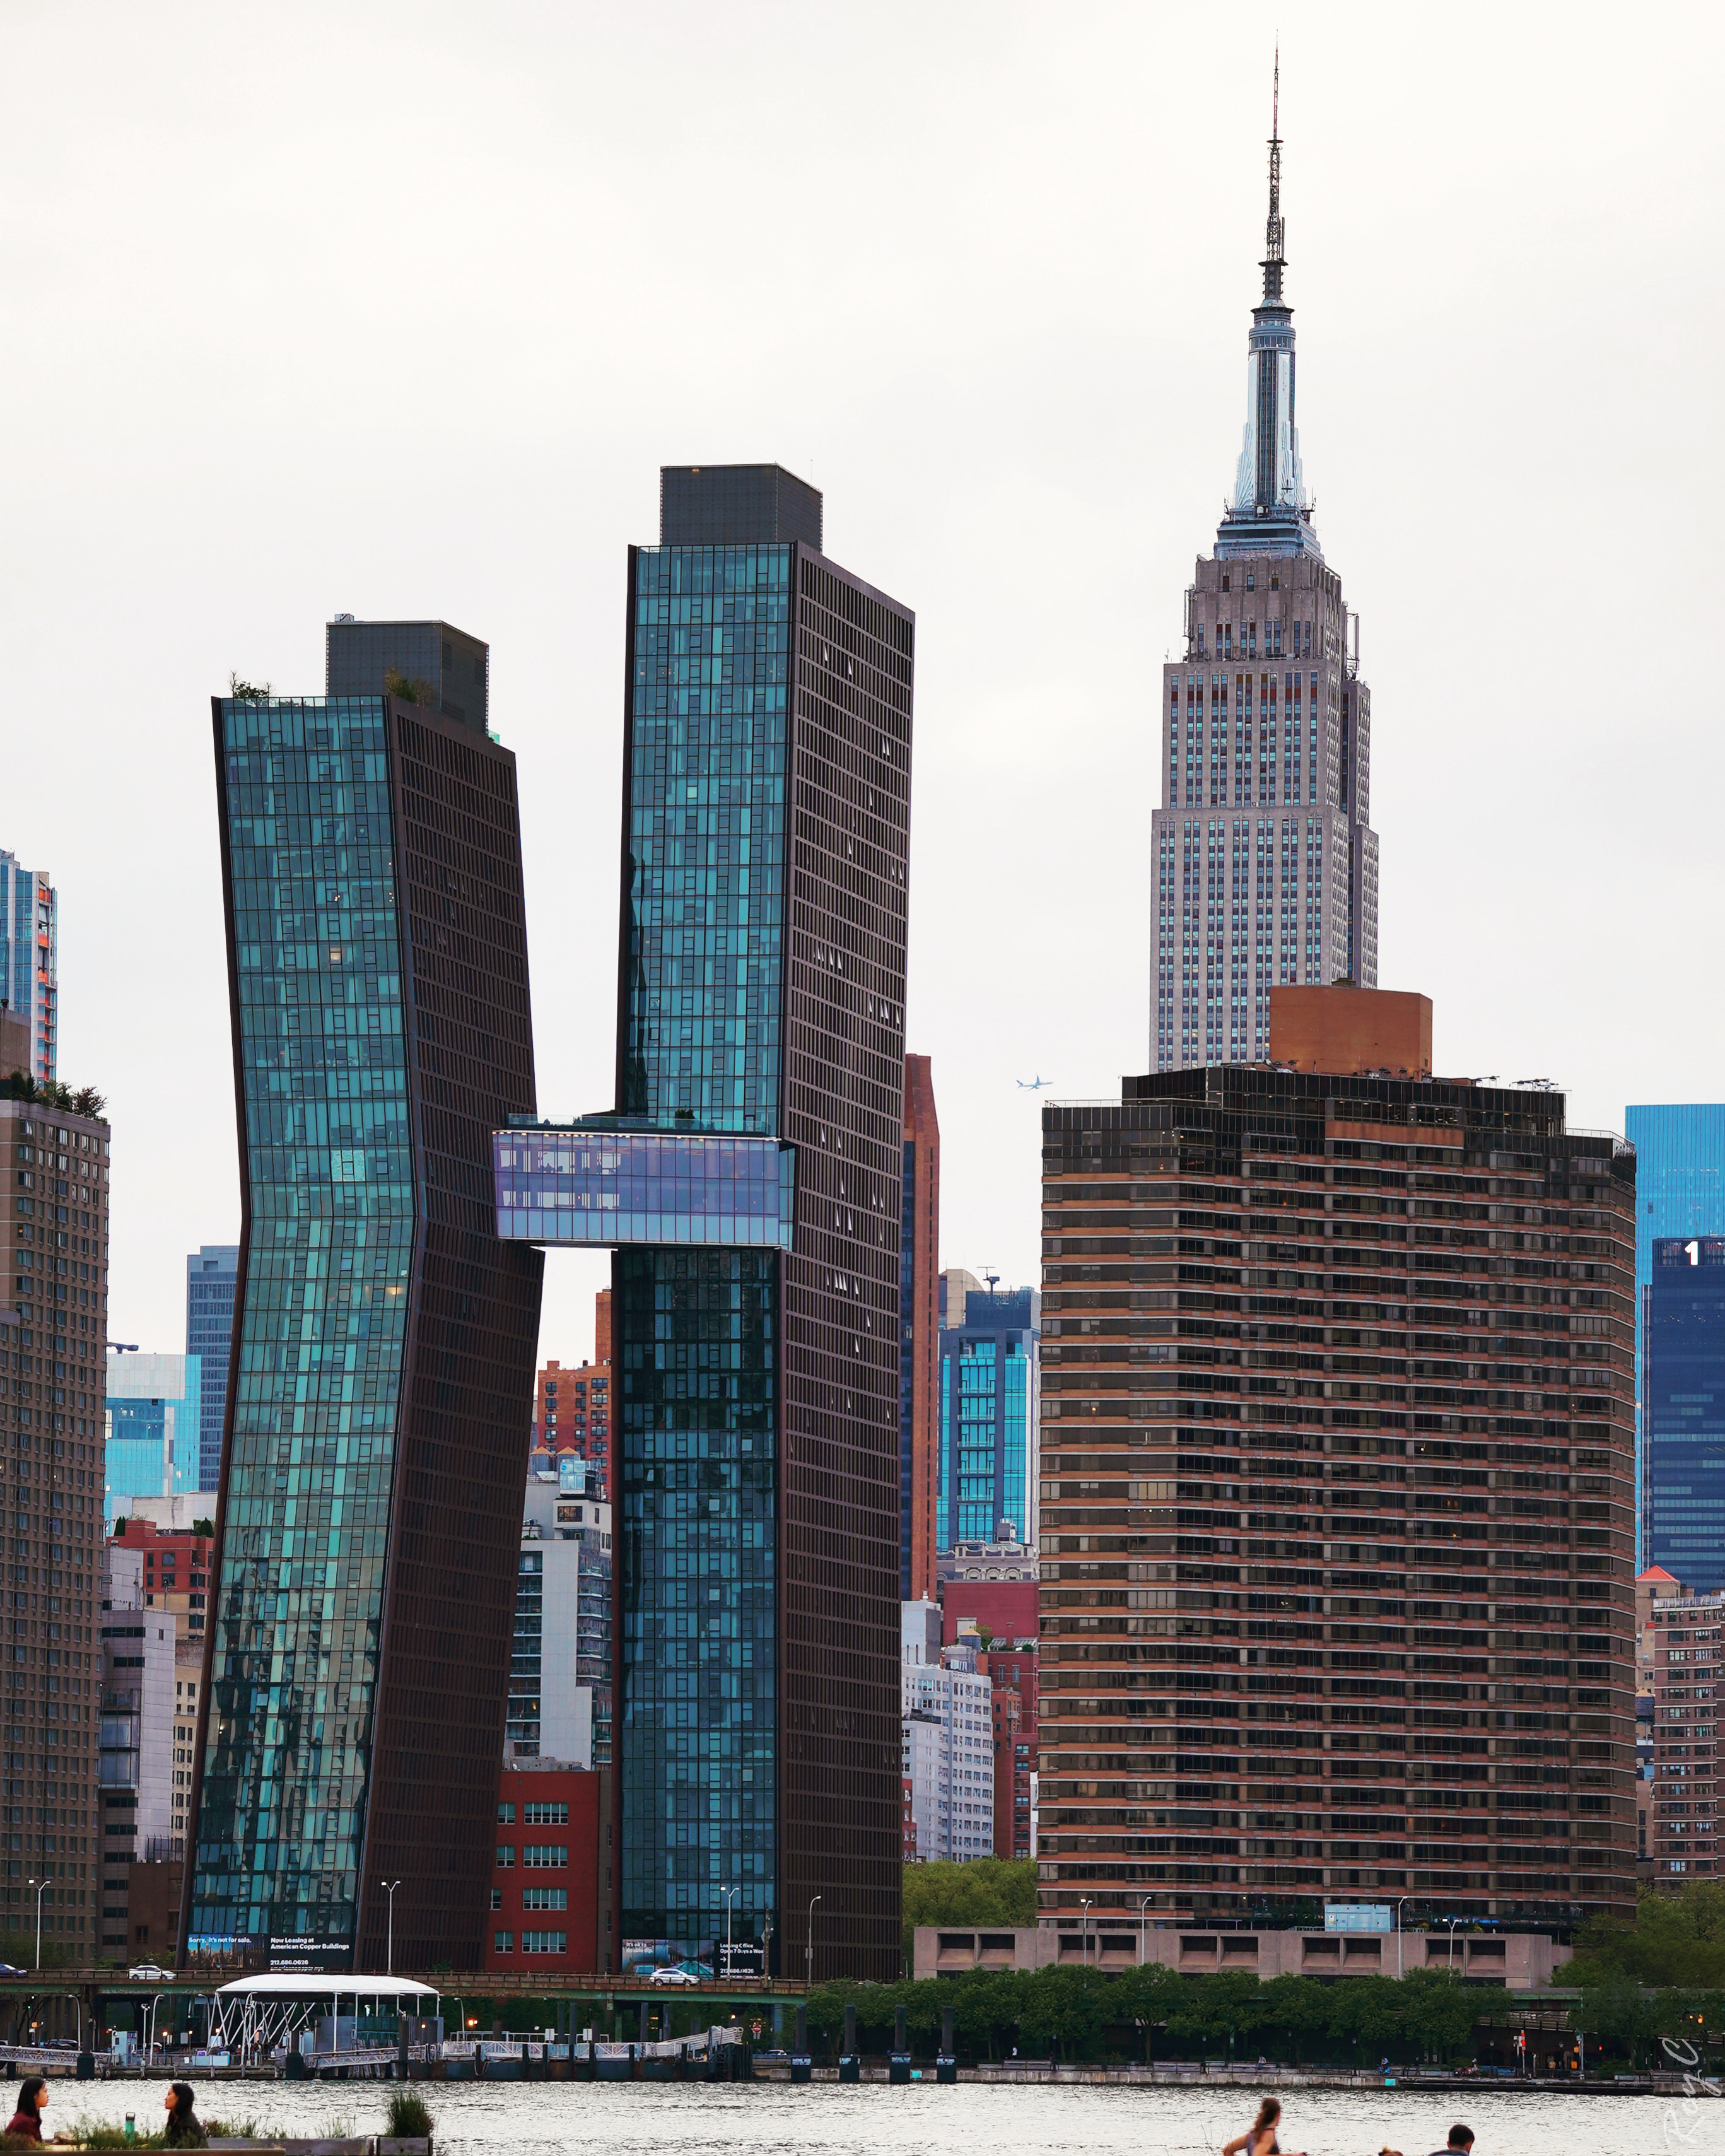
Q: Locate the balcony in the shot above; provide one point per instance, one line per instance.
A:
(605, 1181)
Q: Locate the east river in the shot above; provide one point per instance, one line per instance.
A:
(873, 2119)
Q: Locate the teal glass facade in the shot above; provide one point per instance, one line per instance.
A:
(1680, 1193)
(987, 1420)
(697, 1645)
(695, 1333)
(369, 1521)
(321, 1339)
(749, 1179)
(706, 810)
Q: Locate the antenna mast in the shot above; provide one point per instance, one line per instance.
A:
(1274, 235)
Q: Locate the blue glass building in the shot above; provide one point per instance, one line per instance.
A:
(29, 951)
(154, 1421)
(756, 1163)
(1683, 1411)
(211, 1274)
(1679, 1192)
(368, 1523)
(987, 1417)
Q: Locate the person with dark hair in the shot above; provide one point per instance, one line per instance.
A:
(1260, 2140)
(183, 2129)
(26, 2121)
(1461, 2141)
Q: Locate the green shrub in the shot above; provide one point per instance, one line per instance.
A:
(408, 2118)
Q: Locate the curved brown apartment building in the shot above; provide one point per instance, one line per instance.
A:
(1338, 1446)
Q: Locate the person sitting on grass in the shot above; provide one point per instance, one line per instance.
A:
(183, 2130)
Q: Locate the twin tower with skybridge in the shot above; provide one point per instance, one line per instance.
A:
(399, 1186)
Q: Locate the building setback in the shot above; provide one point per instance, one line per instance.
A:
(53, 1302)
(211, 1273)
(919, 1322)
(1683, 1411)
(381, 1397)
(752, 1181)
(1265, 861)
(1336, 1592)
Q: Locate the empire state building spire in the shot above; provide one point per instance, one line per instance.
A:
(1265, 863)
(1270, 500)
(1274, 231)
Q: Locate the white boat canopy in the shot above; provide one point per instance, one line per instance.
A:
(259, 2015)
(306, 1983)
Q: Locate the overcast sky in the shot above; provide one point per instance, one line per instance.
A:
(396, 310)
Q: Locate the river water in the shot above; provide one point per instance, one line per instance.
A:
(773, 2118)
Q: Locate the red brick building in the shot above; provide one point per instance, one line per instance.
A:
(552, 1904)
(176, 1567)
(1006, 1610)
(1687, 1653)
(571, 1406)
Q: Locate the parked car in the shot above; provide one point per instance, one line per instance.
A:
(148, 1972)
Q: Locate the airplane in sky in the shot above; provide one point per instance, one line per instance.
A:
(1033, 1085)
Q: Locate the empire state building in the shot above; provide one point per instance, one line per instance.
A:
(1267, 863)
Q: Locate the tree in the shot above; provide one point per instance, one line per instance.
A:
(990, 1889)
(1064, 2010)
(1438, 2011)
(1299, 2006)
(1675, 1939)
(413, 691)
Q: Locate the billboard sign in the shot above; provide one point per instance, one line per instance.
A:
(1358, 1916)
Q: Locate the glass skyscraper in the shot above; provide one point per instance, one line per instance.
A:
(1683, 1411)
(987, 1417)
(369, 1518)
(211, 1274)
(153, 1418)
(1680, 1193)
(761, 1005)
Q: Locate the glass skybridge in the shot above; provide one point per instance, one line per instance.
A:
(603, 1181)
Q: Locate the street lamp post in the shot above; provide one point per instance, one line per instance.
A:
(389, 1886)
(1143, 1905)
(42, 1887)
(809, 1952)
(1399, 1907)
(1084, 1930)
(729, 1894)
(1452, 1923)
